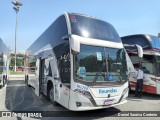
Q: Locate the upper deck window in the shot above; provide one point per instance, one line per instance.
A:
(155, 41)
(93, 28)
(139, 40)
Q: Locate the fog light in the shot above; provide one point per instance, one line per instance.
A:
(78, 104)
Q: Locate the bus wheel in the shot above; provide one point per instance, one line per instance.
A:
(26, 81)
(130, 90)
(6, 79)
(3, 82)
(51, 96)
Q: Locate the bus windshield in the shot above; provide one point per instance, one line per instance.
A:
(93, 28)
(99, 64)
(155, 41)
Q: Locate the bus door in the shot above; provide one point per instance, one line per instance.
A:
(37, 79)
(158, 75)
(149, 83)
(61, 89)
(39, 75)
(158, 84)
(63, 81)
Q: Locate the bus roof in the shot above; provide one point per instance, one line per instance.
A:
(147, 42)
(73, 23)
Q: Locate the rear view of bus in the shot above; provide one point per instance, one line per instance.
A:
(88, 65)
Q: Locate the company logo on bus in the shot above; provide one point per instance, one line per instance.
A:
(101, 91)
(73, 18)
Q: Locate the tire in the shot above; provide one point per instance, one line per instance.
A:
(25, 78)
(130, 90)
(26, 81)
(4, 81)
(50, 95)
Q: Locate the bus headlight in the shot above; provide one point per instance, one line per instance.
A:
(85, 93)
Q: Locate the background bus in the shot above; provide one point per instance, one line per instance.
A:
(150, 63)
(4, 63)
(79, 63)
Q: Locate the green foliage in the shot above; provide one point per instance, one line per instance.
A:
(19, 60)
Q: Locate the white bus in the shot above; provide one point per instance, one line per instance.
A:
(79, 63)
(150, 63)
(4, 63)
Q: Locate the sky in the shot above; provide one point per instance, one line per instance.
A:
(35, 16)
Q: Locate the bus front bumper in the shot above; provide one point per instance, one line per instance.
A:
(81, 103)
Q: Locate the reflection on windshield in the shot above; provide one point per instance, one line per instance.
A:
(98, 64)
(155, 41)
(93, 28)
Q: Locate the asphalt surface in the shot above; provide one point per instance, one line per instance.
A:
(16, 96)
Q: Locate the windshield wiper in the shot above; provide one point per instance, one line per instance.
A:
(97, 76)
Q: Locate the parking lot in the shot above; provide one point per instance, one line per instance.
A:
(16, 96)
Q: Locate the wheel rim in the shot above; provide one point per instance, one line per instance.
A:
(51, 94)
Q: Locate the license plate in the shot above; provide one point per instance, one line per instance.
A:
(108, 102)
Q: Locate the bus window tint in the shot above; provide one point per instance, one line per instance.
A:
(158, 65)
(32, 67)
(93, 28)
(147, 64)
(64, 64)
(46, 67)
(116, 63)
(139, 40)
(155, 41)
(90, 64)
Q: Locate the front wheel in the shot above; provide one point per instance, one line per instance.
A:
(26, 80)
(4, 81)
(51, 96)
(130, 90)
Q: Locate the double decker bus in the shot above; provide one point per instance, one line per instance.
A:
(149, 63)
(4, 63)
(80, 63)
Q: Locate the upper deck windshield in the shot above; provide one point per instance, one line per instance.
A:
(98, 64)
(155, 41)
(93, 28)
(136, 39)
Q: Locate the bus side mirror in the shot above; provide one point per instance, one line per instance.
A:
(75, 45)
(66, 37)
(140, 51)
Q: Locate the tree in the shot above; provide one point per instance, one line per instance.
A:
(19, 60)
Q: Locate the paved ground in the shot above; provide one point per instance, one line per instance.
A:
(16, 96)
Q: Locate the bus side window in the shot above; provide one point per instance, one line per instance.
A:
(46, 68)
(49, 70)
(64, 67)
(148, 67)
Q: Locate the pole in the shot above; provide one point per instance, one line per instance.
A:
(16, 4)
(15, 68)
